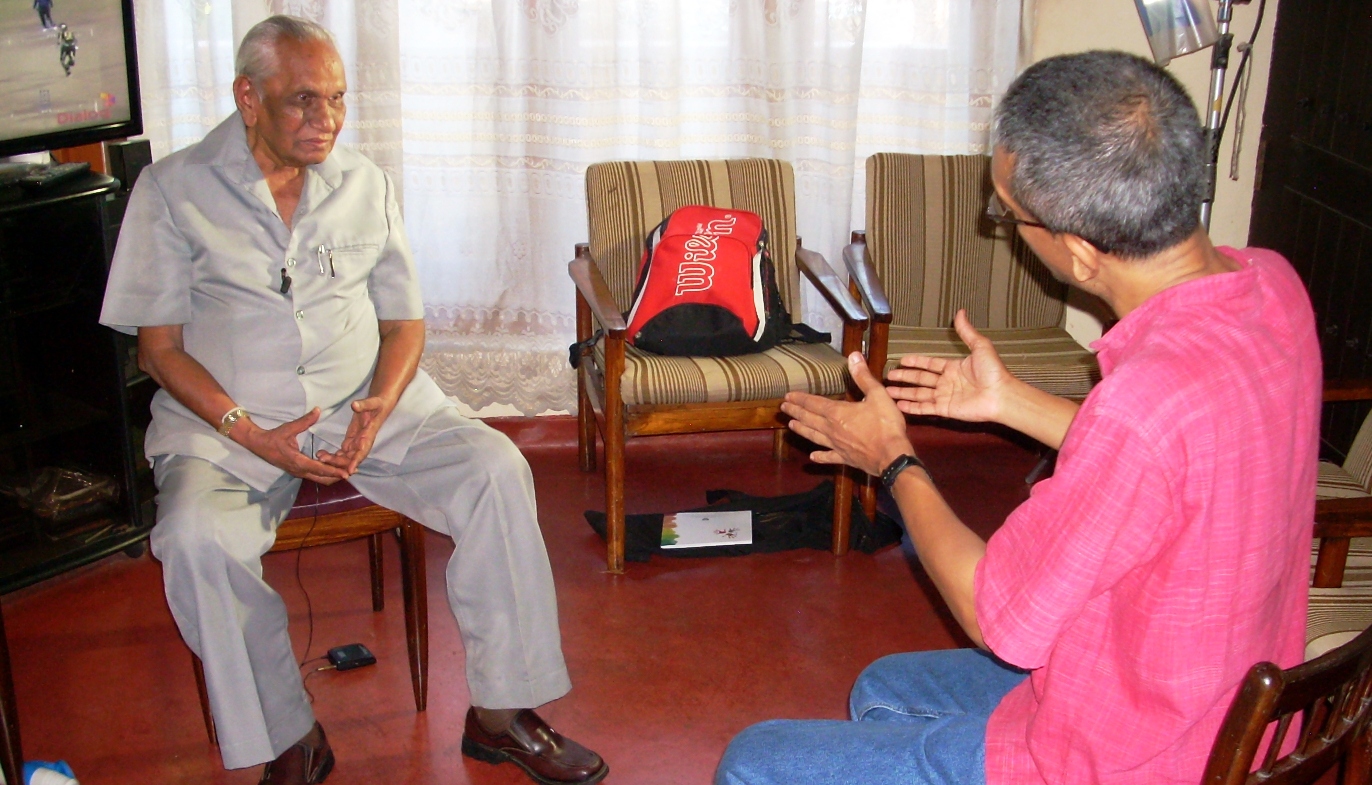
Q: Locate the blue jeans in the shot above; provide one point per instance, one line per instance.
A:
(919, 719)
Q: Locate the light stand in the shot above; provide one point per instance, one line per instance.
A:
(1219, 64)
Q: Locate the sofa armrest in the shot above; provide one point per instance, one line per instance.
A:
(591, 286)
(827, 281)
(1344, 517)
(1347, 390)
(864, 276)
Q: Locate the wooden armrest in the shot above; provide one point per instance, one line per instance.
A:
(834, 290)
(864, 275)
(590, 284)
(1344, 517)
(1347, 390)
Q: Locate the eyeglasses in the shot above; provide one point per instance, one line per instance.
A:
(997, 212)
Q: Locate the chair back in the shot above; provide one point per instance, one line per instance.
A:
(626, 199)
(1328, 702)
(935, 252)
(1358, 464)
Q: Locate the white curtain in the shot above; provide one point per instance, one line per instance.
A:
(488, 112)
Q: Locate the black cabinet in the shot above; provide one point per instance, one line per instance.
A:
(74, 485)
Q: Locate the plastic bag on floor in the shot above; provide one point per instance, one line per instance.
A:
(780, 523)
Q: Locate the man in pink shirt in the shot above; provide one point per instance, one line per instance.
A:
(1124, 601)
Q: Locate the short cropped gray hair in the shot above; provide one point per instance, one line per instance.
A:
(1109, 147)
(257, 54)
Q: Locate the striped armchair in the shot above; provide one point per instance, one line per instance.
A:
(1341, 562)
(623, 392)
(926, 253)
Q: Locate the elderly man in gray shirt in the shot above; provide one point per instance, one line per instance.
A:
(273, 293)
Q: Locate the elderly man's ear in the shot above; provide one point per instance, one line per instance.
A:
(1086, 258)
(246, 98)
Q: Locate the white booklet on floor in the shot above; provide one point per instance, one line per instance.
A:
(698, 529)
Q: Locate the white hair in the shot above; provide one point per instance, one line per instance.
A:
(257, 53)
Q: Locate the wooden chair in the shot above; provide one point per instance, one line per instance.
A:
(928, 251)
(1327, 700)
(1332, 689)
(1341, 593)
(335, 513)
(623, 393)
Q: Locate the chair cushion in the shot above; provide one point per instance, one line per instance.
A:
(327, 499)
(1347, 609)
(1047, 357)
(1334, 483)
(1339, 614)
(655, 379)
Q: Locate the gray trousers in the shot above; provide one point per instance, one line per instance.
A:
(460, 478)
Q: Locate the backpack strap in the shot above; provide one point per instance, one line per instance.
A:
(579, 349)
(804, 333)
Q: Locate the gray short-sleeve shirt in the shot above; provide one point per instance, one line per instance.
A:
(202, 245)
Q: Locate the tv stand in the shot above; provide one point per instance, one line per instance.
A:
(71, 399)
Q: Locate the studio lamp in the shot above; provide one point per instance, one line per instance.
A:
(1178, 27)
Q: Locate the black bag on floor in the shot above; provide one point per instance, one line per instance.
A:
(780, 523)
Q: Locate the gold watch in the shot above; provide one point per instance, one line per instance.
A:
(230, 418)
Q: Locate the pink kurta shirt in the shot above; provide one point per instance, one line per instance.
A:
(1170, 551)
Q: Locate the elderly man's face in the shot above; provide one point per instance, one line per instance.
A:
(295, 114)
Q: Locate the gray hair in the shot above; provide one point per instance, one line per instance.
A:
(257, 53)
(1109, 147)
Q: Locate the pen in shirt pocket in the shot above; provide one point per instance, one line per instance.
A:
(322, 253)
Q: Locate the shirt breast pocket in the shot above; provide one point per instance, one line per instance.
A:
(353, 260)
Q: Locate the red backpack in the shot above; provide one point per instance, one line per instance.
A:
(707, 287)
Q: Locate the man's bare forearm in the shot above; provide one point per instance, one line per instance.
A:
(948, 549)
(1037, 414)
(402, 344)
(162, 356)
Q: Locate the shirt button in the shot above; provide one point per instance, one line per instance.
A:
(300, 370)
(299, 315)
(290, 262)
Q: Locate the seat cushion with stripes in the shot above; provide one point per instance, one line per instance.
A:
(1358, 464)
(1337, 615)
(792, 367)
(1335, 483)
(1047, 357)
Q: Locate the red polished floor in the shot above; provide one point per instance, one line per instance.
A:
(669, 661)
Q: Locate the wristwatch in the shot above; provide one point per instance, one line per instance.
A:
(888, 477)
(231, 417)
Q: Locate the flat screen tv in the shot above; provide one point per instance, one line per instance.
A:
(68, 74)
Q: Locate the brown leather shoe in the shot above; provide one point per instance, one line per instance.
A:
(302, 764)
(544, 754)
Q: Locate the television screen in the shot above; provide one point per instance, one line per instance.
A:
(68, 74)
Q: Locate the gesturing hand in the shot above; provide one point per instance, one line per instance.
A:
(867, 435)
(968, 389)
(280, 448)
(368, 414)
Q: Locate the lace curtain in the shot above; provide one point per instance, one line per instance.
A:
(487, 113)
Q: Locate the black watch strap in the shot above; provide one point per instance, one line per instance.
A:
(888, 477)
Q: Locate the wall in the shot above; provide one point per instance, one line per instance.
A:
(1063, 26)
